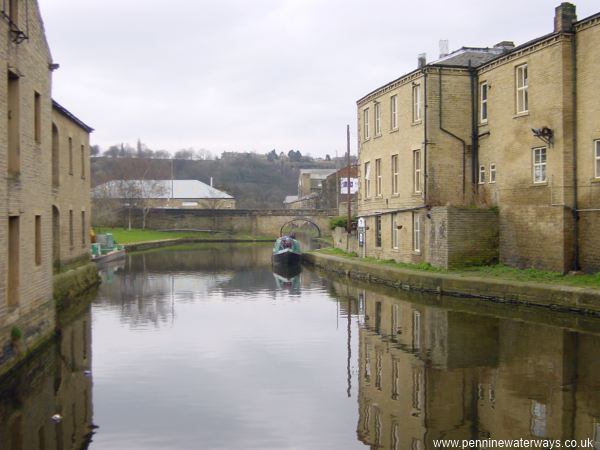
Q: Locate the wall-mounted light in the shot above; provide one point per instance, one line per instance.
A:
(545, 134)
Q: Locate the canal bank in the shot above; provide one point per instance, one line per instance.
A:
(149, 245)
(556, 297)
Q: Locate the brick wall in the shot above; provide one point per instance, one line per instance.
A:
(267, 222)
(471, 236)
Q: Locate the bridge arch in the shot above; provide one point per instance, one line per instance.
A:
(301, 220)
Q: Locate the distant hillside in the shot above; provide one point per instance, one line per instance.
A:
(255, 181)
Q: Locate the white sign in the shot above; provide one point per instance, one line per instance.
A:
(361, 222)
(344, 185)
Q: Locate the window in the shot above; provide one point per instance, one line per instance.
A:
(417, 170)
(38, 240)
(416, 233)
(367, 180)
(481, 174)
(83, 229)
(37, 119)
(377, 231)
(14, 159)
(483, 97)
(539, 165)
(522, 84)
(71, 241)
(13, 12)
(416, 97)
(82, 162)
(395, 174)
(492, 173)
(366, 123)
(70, 155)
(394, 112)
(378, 177)
(394, 231)
(416, 330)
(377, 119)
(14, 244)
(597, 158)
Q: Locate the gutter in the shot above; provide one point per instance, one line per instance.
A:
(575, 212)
(425, 159)
(474, 131)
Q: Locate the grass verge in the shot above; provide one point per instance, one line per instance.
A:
(125, 236)
(498, 271)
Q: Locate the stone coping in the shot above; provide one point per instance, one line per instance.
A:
(560, 298)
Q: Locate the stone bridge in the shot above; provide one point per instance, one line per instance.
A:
(257, 222)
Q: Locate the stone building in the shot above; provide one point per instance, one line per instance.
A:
(70, 187)
(186, 194)
(29, 161)
(488, 154)
(310, 189)
(335, 191)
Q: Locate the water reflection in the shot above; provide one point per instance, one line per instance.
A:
(429, 373)
(57, 381)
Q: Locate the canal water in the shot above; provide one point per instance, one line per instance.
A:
(204, 347)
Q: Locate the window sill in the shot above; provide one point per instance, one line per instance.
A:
(595, 180)
(483, 124)
(394, 130)
(417, 194)
(481, 183)
(491, 182)
(541, 184)
(521, 114)
(367, 139)
(417, 122)
(397, 194)
(414, 252)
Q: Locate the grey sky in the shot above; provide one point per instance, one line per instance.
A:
(239, 75)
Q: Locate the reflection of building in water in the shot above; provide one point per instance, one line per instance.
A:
(55, 382)
(427, 373)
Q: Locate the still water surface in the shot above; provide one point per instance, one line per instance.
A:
(204, 347)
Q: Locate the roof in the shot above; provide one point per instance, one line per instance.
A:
(182, 189)
(470, 56)
(290, 198)
(320, 174)
(65, 112)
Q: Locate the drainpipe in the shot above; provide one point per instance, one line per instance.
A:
(474, 132)
(425, 142)
(462, 141)
(574, 99)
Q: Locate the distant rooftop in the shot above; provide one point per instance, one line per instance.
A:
(320, 174)
(181, 189)
(474, 56)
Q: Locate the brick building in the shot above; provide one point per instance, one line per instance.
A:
(29, 161)
(488, 154)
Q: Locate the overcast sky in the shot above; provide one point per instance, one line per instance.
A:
(240, 75)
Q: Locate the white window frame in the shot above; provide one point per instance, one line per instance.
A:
(492, 173)
(377, 112)
(483, 102)
(417, 171)
(522, 88)
(366, 123)
(482, 174)
(539, 165)
(416, 233)
(597, 158)
(416, 98)
(395, 231)
(378, 183)
(394, 112)
(368, 179)
(395, 174)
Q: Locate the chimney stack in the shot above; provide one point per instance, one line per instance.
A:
(422, 60)
(443, 48)
(564, 18)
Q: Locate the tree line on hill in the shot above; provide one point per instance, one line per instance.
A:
(256, 181)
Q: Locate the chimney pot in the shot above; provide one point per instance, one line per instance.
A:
(422, 60)
(564, 18)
